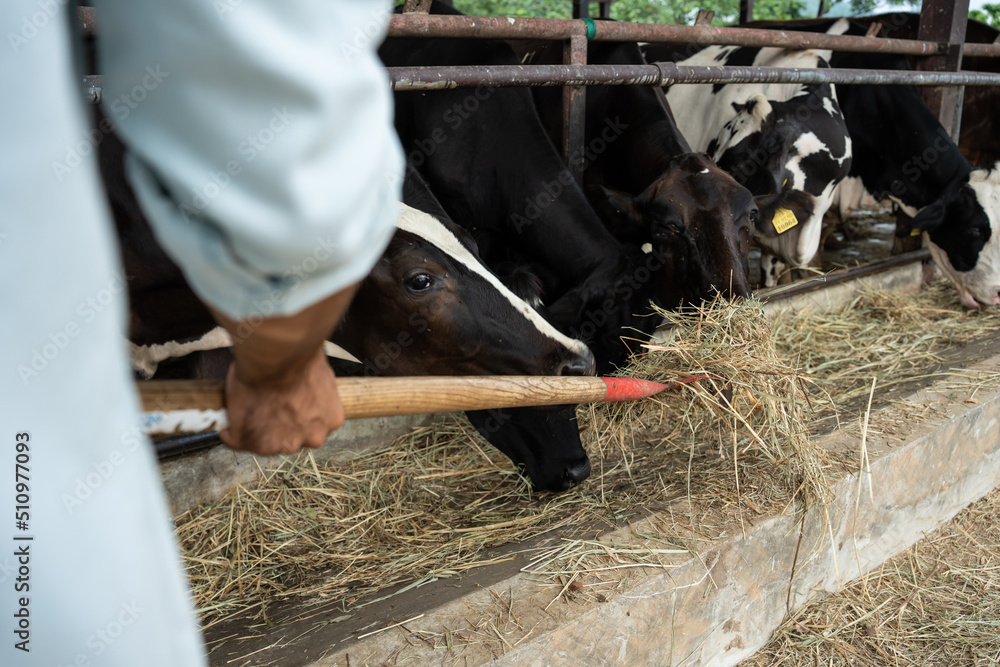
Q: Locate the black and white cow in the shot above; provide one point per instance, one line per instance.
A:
(902, 153)
(980, 128)
(693, 220)
(771, 137)
(429, 306)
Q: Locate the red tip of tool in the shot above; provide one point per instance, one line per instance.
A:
(630, 389)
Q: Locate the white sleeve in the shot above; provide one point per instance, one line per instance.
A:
(262, 144)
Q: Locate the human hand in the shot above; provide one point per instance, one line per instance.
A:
(280, 415)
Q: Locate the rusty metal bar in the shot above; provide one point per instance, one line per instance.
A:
(653, 32)
(574, 109)
(657, 74)
(981, 50)
(661, 74)
(944, 21)
(613, 31)
(496, 27)
(87, 18)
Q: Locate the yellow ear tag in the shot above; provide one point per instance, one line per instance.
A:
(784, 183)
(914, 232)
(783, 220)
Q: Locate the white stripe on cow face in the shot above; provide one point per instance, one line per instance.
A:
(146, 358)
(431, 230)
(981, 284)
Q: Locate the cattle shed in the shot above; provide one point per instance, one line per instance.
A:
(678, 583)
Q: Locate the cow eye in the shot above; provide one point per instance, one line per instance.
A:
(754, 217)
(419, 283)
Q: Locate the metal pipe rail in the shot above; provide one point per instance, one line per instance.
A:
(495, 27)
(657, 74)
(663, 74)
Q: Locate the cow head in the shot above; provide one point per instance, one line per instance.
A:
(543, 442)
(801, 144)
(695, 223)
(963, 233)
(430, 307)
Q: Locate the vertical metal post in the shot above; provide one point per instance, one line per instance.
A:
(574, 108)
(746, 11)
(581, 9)
(945, 21)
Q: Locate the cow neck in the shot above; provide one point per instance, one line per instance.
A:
(494, 169)
(644, 136)
(900, 148)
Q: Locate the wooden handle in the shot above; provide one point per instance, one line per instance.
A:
(392, 396)
(388, 396)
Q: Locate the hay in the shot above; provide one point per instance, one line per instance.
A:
(879, 334)
(439, 502)
(937, 603)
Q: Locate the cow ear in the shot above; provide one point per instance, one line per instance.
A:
(617, 209)
(779, 213)
(928, 219)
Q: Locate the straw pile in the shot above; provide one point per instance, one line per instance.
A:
(439, 501)
(878, 335)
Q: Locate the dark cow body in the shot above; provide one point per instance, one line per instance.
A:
(488, 159)
(651, 190)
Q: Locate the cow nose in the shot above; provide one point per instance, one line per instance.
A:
(578, 364)
(577, 472)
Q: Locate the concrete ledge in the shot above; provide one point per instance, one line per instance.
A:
(720, 606)
(688, 618)
(904, 280)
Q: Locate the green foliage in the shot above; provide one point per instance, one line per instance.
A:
(859, 7)
(644, 11)
(990, 13)
(550, 9)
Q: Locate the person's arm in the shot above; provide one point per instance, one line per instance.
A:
(262, 151)
(280, 392)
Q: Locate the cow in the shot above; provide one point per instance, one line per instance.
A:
(902, 153)
(693, 219)
(487, 157)
(979, 139)
(772, 138)
(429, 306)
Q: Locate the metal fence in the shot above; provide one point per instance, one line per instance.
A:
(575, 74)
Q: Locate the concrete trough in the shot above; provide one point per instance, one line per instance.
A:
(932, 451)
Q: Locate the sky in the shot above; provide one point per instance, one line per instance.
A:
(813, 5)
